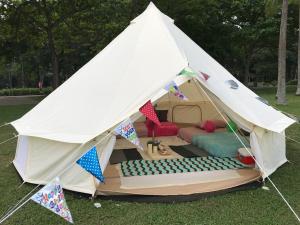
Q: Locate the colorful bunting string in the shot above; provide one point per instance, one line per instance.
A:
(262, 100)
(173, 88)
(187, 72)
(65, 212)
(52, 197)
(90, 162)
(232, 84)
(126, 130)
(148, 110)
(204, 76)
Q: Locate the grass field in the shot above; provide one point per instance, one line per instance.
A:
(245, 207)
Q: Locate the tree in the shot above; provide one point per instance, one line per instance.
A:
(298, 70)
(281, 85)
(51, 39)
(252, 32)
(44, 17)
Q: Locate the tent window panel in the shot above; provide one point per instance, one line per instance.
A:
(187, 114)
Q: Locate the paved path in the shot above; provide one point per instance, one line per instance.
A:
(20, 100)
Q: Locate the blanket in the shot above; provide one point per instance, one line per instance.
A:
(221, 144)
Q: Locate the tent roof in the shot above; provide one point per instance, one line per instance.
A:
(132, 69)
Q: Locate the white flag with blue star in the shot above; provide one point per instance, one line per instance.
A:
(90, 162)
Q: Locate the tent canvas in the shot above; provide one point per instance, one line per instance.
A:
(132, 69)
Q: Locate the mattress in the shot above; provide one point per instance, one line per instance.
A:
(187, 133)
(220, 144)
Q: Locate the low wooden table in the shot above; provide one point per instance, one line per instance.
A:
(157, 156)
(171, 140)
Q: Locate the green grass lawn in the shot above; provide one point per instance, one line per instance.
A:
(244, 207)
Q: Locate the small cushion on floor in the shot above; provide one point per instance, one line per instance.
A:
(209, 126)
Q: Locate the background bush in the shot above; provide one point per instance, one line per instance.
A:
(25, 91)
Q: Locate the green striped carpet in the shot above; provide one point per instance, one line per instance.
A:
(185, 165)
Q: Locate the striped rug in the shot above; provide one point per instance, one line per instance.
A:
(185, 165)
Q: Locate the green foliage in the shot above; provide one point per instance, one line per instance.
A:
(25, 91)
(292, 82)
(238, 33)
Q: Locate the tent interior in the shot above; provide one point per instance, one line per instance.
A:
(188, 159)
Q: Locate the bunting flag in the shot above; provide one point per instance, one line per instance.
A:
(204, 76)
(52, 197)
(149, 112)
(232, 84)
(90, 162)
(265, 101)
(187, 72)
(126, 130)
(173, 88)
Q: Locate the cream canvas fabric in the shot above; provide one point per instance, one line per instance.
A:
(148, 54)
(131, 70)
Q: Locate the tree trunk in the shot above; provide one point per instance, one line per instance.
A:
(298, 70)
(54, 60)
(22, 74)
(281, 86)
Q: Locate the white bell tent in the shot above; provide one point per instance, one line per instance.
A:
(132, 69)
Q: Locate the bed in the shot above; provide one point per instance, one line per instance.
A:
(187, 133)
(220, 144)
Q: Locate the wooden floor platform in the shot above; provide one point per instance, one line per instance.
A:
(112, 185)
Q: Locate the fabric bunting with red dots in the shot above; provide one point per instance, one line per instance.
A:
(148, 110)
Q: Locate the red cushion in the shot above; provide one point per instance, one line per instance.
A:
(209, 126)
(165, 129)
(218, 124)
(246, 159)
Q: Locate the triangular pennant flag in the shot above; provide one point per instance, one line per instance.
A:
(204, 76)
(90, 162)
(173, 88)
(265, 101)
(52, 197)
(149, 112)
(232, 84)
(187, 72)
(126, 130)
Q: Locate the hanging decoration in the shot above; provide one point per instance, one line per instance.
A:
(90, 162)
(262, 100)
(231, 126)
(126, 130)
(173, 88)
(52, 197)
(187, 72)
(148, 110)
(232, 84)
(203, 76)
